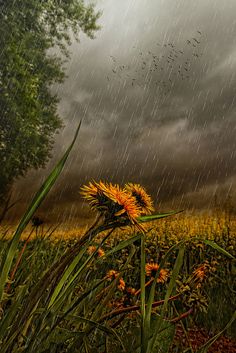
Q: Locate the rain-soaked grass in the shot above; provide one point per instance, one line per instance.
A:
(216, 292)
(123, 284)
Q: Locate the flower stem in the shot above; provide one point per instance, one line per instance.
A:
(144, 339)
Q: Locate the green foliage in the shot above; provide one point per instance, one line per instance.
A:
(154, 346)
(37, 200)
(28, 69)
(218, 248)
(80, 319)
(76, 305)
(164, 338)
(144, 219)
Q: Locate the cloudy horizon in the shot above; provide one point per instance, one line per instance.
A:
(156, 94)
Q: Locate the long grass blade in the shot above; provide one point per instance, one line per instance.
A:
(144, 331)
(11, 313)
(144, 219)
(122, 245)
(171, 286)
(218, 248)
(152, 291)
(65, 276)
(36, 202)
(175, 273)
(69, 286)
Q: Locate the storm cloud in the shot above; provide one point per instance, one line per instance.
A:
(156, 94)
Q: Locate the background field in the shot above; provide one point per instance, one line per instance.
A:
(48, 243)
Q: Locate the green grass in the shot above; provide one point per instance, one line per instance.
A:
(61, 297)
(40, 254)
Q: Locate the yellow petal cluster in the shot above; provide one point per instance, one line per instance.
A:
(111, 200)
(143, 200)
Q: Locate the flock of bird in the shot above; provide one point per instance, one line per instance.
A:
(163, 70)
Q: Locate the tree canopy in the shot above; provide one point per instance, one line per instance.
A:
(28, 108)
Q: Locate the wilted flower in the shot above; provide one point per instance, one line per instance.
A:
(143, 200)
(151, 270)
(200, 273)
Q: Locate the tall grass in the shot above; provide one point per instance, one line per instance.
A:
(62, 301)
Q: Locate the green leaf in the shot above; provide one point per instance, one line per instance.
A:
(175, 273)
(218, 248)
(122, 245)
(144, 327)
(105, 329)
(12, 310)
(57, 337)
(171, 286)
(165, 336)
(66, 275)
(100, 306)
(71, 282)
(60, 335)
(152, 291)
(36, 202)
(157, 216)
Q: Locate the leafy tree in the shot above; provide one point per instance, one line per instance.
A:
(28, 109)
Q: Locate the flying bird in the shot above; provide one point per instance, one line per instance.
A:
(197, 41)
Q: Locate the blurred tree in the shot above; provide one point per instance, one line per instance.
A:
(28, 68)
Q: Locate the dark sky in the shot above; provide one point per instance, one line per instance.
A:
(156, 92)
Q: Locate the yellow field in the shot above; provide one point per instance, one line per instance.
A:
(217, 226)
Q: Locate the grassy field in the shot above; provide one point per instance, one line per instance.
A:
(109, 314)
(132, 281)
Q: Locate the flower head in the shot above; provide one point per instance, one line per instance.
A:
(111, 200)
(124, 203)
(143, 200)
(151, 270)
(94, 193)
(121, 284)
(200, 273)
(112, 274)
(92, 249)
(131, 291)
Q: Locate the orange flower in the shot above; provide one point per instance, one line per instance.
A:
(112, 274)
(111, 200)
(125, 204)
(131, 291)
(92, 249)
(121, 285)
(163, 276)
(94, 193)
(200, 273)
(143, 200)
(151, 270)
(101, 252)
